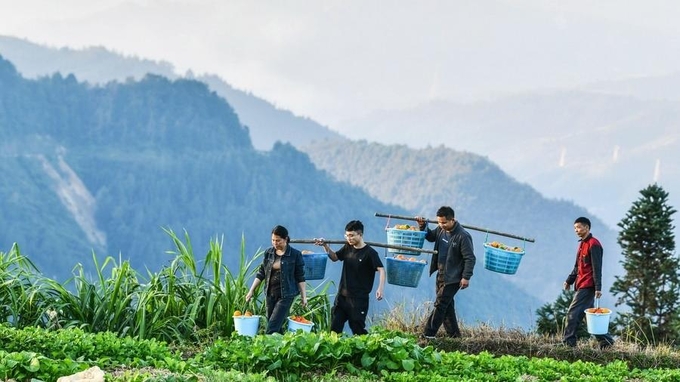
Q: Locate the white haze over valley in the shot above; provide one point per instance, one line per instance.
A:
(471, 75)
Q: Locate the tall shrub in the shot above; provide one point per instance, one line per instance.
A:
(650, 286)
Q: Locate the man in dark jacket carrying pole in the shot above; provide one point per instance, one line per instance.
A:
(454, 263)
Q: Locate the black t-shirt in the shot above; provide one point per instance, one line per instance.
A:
(358, 270)
(274, 285)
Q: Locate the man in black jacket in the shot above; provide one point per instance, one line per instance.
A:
(454, 263)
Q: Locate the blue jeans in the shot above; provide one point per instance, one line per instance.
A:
(277, 312)
(583, 299)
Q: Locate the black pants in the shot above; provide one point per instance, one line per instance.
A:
(583, 299)
(444, 310)
(352, 309)
(277, 311)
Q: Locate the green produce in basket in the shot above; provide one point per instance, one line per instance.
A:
(504, 247)
(407, 227)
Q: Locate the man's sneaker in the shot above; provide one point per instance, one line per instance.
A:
(424, 340)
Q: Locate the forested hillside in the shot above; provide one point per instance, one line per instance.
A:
(109, 167)
(105, 169)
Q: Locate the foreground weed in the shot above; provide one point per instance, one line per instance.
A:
(21, 296)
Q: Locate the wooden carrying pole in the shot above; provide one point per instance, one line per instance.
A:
(372, 244)
(466, 226)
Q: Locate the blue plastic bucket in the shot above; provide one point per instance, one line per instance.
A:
(294, 326)
(247, 325)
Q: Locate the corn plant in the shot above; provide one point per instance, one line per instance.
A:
(99, 305)
(208, 296)
(182, 301)
(21, 303)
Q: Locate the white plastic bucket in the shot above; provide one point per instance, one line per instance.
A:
(247, 325)
(294, 326)
(598, 323)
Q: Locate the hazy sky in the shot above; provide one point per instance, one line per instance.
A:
(337, 61)
(354, 65)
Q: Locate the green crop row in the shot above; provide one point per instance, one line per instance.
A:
(381, 355)
(103, 348)
(299, 353)
(25, 366)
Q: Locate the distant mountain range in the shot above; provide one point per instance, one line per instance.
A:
(597, 146)
(98, 66)
(202, 181)
(267, 123)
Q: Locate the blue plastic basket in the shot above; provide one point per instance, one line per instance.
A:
(403, 272)
(500, 260)
(315, 265)
(405, 238)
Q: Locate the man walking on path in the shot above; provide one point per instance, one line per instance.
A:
(360, 263)
(587, 280)
(454, 263)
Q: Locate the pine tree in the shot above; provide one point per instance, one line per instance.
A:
(650, 287)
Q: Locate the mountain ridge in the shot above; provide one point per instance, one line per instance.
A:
(596, 149)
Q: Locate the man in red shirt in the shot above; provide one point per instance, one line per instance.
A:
(587, 280)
